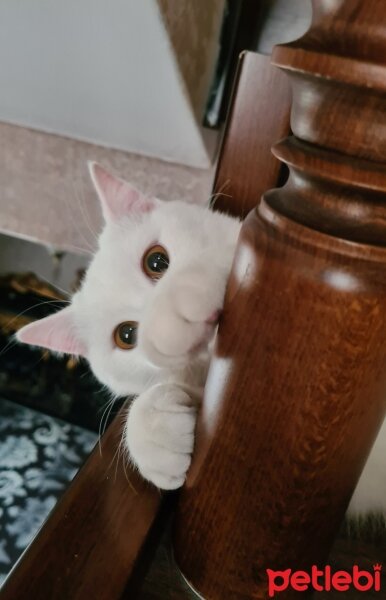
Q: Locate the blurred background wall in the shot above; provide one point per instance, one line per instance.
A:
(126, 74)
(128, 83)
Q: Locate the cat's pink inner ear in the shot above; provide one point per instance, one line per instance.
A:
(55, 332)
(118, 198)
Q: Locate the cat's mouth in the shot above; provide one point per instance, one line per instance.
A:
(202, 345)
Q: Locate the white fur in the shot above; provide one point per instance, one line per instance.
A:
(172, 312)
(167, 369)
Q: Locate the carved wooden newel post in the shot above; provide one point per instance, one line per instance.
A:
(297, 389)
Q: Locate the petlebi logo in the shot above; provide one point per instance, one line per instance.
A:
(324, 580)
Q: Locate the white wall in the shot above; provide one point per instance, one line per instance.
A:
(286, 20)
(98, 70)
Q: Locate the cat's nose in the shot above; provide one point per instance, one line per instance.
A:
(214, 317)
(194, 304)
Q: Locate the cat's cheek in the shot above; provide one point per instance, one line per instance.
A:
(168, 342)
(115, 374)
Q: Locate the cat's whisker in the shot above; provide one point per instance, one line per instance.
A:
(216, 195)
(37, 362)
(83, 208)
(86, 252)
(113, 460)
(38, 304)
(106, 408)
(119, 454)
(76, 225)
(87, 246)
(9, 345)
(57, 287)
(126, 459)
(124, 462)
(226, 184)
(112, 402)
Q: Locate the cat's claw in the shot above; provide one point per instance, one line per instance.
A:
(159, 434)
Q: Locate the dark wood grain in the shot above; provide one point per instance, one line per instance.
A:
(296, 391)
(90, 543)
(262, 95)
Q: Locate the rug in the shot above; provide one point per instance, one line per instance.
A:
(39, 456)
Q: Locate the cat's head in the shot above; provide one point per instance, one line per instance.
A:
(152, 294)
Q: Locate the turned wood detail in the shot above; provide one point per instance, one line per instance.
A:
(296, 392)
(337, 158)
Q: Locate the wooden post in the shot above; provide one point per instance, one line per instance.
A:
(297, 389)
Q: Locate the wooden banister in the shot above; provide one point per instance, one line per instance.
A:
(297, 388)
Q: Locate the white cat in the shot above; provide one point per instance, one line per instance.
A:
(145, 318)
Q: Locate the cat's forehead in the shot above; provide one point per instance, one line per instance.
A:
(117, 265)
(174, 223)
(115, 279)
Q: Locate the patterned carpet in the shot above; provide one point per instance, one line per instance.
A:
(39, 456)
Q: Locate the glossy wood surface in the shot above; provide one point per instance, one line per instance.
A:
(296, 391)
(259, 90)
(93, 538)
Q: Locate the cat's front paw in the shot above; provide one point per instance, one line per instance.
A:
(159, 434)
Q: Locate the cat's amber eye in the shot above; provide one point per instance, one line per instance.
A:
(125, 335)
(155, 262)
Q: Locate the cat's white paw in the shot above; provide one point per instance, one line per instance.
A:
(160, 434)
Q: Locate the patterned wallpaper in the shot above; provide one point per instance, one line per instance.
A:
(194, 28)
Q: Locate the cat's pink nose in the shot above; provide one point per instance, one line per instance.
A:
(214, 317)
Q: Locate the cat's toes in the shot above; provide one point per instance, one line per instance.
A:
(167, 471)
(164, 468)
(160, 435)
(164, 482)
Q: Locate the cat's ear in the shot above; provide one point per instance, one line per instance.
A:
(118, 198)
(56, 332)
